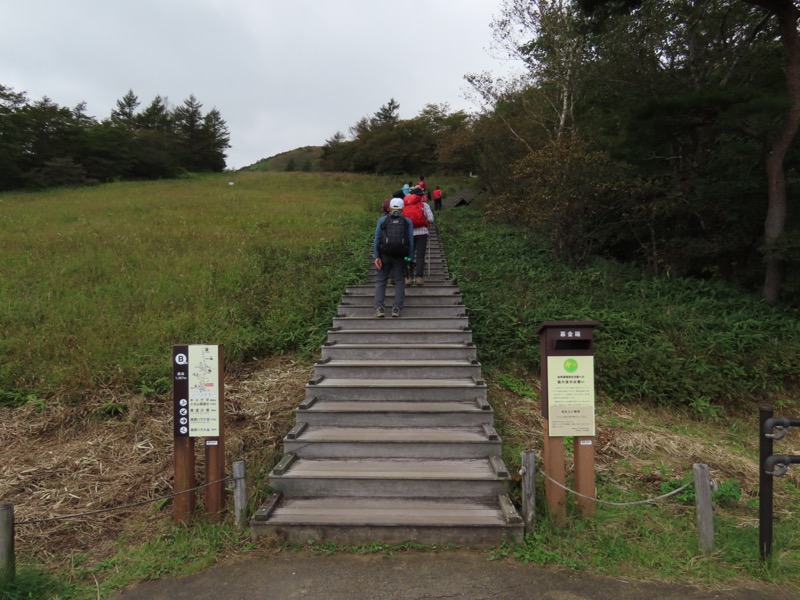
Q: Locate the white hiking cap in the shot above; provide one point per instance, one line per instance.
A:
(396, 204)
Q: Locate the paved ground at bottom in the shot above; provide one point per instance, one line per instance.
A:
(416, 576)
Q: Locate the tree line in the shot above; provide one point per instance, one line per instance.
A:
(43, 144)
(656, 132)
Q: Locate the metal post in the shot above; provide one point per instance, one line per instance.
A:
(765, 447)
(239, 494)
(529, 490)
(7, 560)
(702, 500)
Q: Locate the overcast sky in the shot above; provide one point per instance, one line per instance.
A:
(283, 73)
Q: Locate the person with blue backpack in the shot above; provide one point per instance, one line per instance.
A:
(394, 249)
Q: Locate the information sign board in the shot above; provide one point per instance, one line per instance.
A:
(570, 395)
(196, 389)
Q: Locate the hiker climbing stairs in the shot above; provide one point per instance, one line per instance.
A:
(394, 440)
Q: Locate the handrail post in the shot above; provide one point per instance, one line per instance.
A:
(7, 559)
(529, 490)
(239, 494)
(765, 489)
(702, 499)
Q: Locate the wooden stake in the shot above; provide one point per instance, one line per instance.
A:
(583, 448)
(702, 499)
(529, 490)
(215, 455)
(7, 560)
(183, 504)
(554, 468)
(239, 494)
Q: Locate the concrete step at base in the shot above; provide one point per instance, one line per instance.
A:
(349, 521)
(382, 413)
(307, 441)
(389, 333)
(419, 370)
(343, 351)
(391, 477)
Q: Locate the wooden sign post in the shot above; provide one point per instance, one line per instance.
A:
(215, 453)
(198, 411)
(567, 401)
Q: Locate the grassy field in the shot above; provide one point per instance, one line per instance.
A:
(304, 159)
(98, 283)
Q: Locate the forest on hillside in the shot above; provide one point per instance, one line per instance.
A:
(656, 132)
(43, 144)
(660, 133)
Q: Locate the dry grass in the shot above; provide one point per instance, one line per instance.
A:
(639, 448)
(61, 460)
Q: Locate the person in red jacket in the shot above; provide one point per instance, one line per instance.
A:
(420, 220)
(437, 198)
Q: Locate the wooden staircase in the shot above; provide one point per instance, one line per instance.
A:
(394, 440)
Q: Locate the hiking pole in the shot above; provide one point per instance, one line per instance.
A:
(427, 266)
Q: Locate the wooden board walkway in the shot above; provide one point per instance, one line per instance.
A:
(394, 440)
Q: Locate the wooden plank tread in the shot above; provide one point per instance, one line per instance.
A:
(476, 469)
(397, 383)
(384, 406)
(350, 511)
(360, 435)
(389, 362)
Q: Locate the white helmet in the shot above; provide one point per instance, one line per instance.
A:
(396, 204)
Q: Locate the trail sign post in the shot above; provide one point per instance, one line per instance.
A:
(566, 351)
(198, 411)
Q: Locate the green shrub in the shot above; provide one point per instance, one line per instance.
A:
(703, 345)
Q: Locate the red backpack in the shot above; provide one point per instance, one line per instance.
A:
(414, 210)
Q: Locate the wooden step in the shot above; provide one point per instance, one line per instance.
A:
(390, 477)
(381, 413)
(396, 389)
(391, 331)
(433, 289)
(409, 369)
(399, 351)
(309, 441)
(411, 300)
(350, 520)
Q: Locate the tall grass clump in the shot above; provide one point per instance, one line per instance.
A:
(98, 283)
(703, 345)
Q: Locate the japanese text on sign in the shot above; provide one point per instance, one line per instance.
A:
(570, 391)
(196, 375)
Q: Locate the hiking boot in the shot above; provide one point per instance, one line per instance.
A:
(420, 280)
(395, 312)
(379, 312)
(408, 280)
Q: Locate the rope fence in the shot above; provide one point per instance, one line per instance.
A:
(702, 498)
(8, 524)
(609, 503)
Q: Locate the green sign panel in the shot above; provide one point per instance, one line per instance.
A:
(570, 395)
